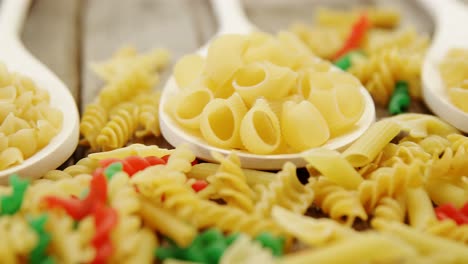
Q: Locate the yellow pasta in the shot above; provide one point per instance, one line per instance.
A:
(379, 17)
(365, 248)
(230, 184)
(93, 120)
(260, 129)
(263, 79)
(303, 126)
(449, 229)
(286, 191)
(340, 204)
(313, 232)
(224, 58)
(368, 146)
(454, 72)
(253, 177)
(160, 219)
(221, 119)
(388, 181)
(420, 210)
(188, 107)
(188, 69)
(423, 125)
(389, 209)
(244, 250)
(333, 166)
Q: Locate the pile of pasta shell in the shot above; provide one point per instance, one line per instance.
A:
(264, 94)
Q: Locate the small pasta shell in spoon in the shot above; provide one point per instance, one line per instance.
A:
(263, 79)
(220, 121)
(260, 129)
(303, 126)
(189, 106)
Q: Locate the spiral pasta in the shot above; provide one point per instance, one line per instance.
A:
(120, 128)
(229, 183)
(388, 181)
(93, 120)
(286, 191)
(338, 202)
(389, 209)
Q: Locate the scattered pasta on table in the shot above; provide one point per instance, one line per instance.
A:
(398, 194)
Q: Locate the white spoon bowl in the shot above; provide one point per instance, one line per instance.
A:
(451, 21)
(18, 59)
(232, 20)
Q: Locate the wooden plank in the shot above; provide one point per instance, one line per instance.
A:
(145, 24)
(51, 33)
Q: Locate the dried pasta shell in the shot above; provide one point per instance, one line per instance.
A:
(263, 79)
(189, 106)
(260, 129)
(220, 121)
(303, 126)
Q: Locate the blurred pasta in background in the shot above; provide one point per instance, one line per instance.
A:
(127, 105)
(27, 120)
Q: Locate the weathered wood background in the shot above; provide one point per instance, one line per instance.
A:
(69, 34)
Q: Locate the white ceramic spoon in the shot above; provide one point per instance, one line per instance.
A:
(451, 22)
(18, 59)
(231, 19)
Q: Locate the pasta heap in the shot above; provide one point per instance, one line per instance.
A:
(454, 73)
(264, 94)
(126, 106)
(27, 120)
(386, 187)
(383, 57)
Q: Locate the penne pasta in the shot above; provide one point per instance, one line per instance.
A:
(371, 143)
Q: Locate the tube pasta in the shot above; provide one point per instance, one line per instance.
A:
(423, 125)
(368, 146)
(424, 242)
(333, 166)
(260, 129)
(303, 126)
(363, 248)
(221, 120)
(420, 210)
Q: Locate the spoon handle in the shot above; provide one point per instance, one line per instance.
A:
(231, 17)
(12, 15)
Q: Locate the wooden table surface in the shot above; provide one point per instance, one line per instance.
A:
(69, 34)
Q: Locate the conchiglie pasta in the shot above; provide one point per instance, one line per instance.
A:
(303, 126)
(263, 79)
(221, 119)
(260, 129)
